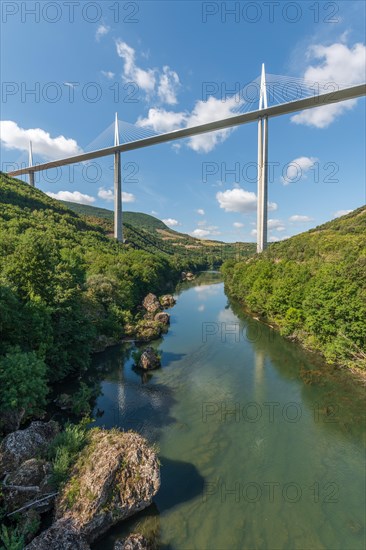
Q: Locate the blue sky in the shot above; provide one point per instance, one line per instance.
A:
(154, 62)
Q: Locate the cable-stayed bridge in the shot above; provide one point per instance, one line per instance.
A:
(265, 97)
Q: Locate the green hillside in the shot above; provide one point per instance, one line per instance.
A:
(66, 290)
(313, 287)
(137, 219)
(148, 233)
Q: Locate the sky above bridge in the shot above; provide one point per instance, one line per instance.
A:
(67, 67)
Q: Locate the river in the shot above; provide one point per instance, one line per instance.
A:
(261, 446)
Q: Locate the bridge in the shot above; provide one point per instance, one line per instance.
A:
(278, 96)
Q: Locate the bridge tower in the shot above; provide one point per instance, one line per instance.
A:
(117, 187)
(30, 163)
(262, 183)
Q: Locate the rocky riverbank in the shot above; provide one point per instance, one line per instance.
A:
(109, 477)
(115, 475)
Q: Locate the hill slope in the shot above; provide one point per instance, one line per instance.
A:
(313, 287)
(64, 288)
(149, 233)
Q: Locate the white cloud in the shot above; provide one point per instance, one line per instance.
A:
(337, 64)
(297, 218)
(14, 137)
(275, 224)
(253, 232)
(168, 86)
(239, 200)
(273, 239)
(208, 111)
(297, 168)
(108, 74)
(238, 225)
(128, 197)
(74, 196)
(341, 213)
(145, 79)
(170, 222)
(200, 233)
(102, 30)
(108, 195)
(201, 212)
(161, 120)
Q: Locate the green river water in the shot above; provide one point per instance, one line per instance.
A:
(261, 446)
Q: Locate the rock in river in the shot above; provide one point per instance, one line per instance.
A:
(149, 359)
(167, 301)
(60, 536)
(116, 475)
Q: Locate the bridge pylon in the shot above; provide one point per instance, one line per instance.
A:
(118, 234)
(30, 163)
(262, 181)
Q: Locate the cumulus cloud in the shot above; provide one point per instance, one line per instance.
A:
(338, 64)
(208, 111)
(200, 233)
(162, 120)
(275, 224)
(14, 137)
(341, 213)
(273, 239)
(201, 212)
(297, 169)
(72, 196)
(170, 222)
(297, 218)
(239, 200)
(108, 74)
(108, 195)
(168, 86)
(102, 30)
(145, 79)
(238, 225)
(162, 84)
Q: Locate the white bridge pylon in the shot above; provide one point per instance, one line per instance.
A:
(272, 88)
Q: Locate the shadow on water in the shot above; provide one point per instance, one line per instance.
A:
(180, 482)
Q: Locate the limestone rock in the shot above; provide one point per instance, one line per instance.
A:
(116, 475)
(133, 542)
(25, 444)
(163, 318)
(147, 330)
(167, 301)
(62, 535)
(149, 359)
(151, 303)
(10, 420)
(30, 481)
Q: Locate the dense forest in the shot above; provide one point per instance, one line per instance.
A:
(313, 287)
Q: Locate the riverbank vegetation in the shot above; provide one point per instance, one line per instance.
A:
(65, 287)
(313, 287)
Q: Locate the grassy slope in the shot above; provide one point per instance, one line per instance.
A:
(313, 287)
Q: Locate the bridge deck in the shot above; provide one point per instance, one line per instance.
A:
(236, 120)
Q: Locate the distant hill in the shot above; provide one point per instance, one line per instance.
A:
(313, 287)
(133, 218)
(150, 233)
